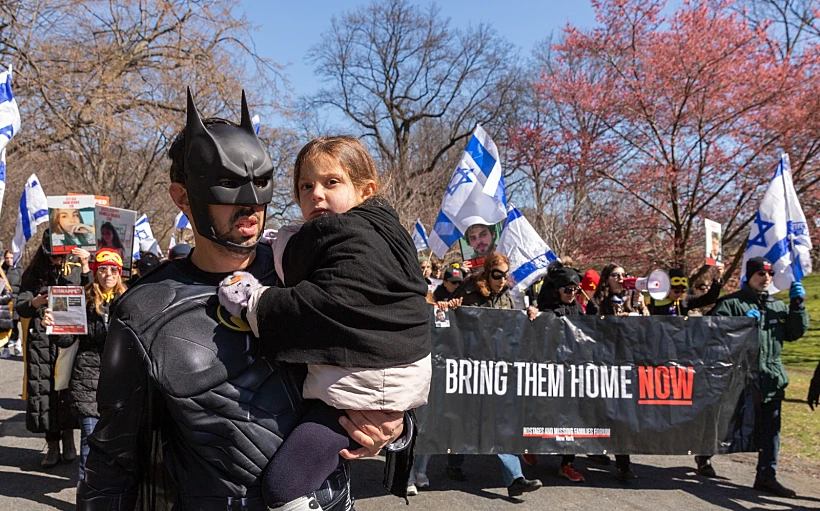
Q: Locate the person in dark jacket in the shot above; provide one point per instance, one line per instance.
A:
(449, 287)
(47, 410)
(13, 274)
(489, 289)
(776, 324)
(178, 369)
(6, 322)
(107, 287)
(611, 298)
(679, 303)
(557, 296)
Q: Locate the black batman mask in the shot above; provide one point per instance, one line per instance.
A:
(224, 164)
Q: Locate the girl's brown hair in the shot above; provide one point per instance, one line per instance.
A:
(349, 152)
(94, 293)
(491, 261)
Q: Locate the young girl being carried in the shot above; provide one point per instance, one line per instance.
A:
(354, 310)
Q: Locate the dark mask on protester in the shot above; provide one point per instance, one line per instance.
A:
(224, 165)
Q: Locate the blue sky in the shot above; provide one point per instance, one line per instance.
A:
(287, 29)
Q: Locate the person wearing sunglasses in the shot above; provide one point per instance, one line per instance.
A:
(557, 296)
(679, 302)
(776, 323)
(489, 289)
(611, 299)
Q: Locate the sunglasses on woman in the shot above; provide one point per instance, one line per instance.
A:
(570, 290)
(618, 275)
(498, 274)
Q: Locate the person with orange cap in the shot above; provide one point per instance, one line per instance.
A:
(106, 287)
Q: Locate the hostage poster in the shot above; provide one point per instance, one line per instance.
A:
(115, 230)
(67, 304)
(71, 223)
(586, 384)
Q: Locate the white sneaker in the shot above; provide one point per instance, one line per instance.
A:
(5, 353)
(412, 490)
(422, 481)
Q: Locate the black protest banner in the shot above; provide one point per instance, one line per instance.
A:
(624, 385)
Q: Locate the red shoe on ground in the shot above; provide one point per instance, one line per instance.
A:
(529, 459)
(571, 474)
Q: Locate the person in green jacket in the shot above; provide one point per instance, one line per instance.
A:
(776, 324)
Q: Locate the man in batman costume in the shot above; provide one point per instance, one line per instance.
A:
(182, 378)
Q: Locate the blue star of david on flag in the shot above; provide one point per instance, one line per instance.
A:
(460, 177)
(762, 228)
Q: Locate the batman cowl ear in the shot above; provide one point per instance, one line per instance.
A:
(246, 123)
(193, 123)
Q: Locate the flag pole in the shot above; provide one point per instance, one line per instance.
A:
(790, 234)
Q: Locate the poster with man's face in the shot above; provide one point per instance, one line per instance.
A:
(714, 250)
(479, 241)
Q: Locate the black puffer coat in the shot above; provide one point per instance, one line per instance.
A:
(6, 298)
(15, 274)
(86, 371)
(46, 411)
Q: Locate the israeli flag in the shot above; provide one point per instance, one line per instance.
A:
(181, 221)
(779, 232)
(142, 232)
(32, 212)
(474, 195)
(9, 113)
(420, 237)
(529, 255)
(172, 243)
(9, 124)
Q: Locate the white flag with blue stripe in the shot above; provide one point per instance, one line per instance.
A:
(474, 195)
(180, 222)
(32, 212)
(142, 232)
(420, 237)
(529, 255)
(256, 123)
(779, 232)
(9, 113)
(9, 124)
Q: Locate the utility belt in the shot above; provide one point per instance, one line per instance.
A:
(334, 495)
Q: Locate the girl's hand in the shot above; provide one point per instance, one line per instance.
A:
(48, 318)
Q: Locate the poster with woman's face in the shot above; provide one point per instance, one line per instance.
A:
(115, 230)
(714, 249)
(71, 223)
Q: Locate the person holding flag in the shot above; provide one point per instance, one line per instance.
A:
(776, 257)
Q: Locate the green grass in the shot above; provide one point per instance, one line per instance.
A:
(801, 425)
(805, 352)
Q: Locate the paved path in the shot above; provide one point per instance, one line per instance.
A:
(665, 482)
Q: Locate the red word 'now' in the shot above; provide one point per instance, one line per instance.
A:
(665, 385)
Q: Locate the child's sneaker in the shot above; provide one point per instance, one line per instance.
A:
(412, 490)
(571, 474)
(5, 353)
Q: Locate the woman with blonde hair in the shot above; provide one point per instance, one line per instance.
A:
(106, 287)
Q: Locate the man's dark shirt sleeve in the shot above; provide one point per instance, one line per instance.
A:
(120, 447)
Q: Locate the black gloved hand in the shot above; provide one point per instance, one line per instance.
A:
(814, 389)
